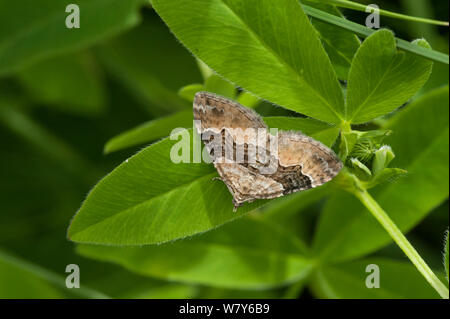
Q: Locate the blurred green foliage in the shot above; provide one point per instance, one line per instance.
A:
(122, 81)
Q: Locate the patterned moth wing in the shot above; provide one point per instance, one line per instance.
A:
(218, 120)
(304, 162)
(218, 112)
(298, 162)
(216, 116)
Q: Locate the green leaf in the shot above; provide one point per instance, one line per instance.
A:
(398, 280)
(382, 159)
(362, 145)
(161, 127)
(340, 44)
(70, 83)
(152, 75)
(203, 68)
(360, 169)
(281, 60)
(188, 92)
(220, 86)
(381, 79)
(420, 140)
(247, 254)
(446, 255)
(386, 175)
(294, 213)
(418, 125)
(29, 32)
(149, 131)
(150, 199)
(249, 100)
(348, 141)
(141, 193)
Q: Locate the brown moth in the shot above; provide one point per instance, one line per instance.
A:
(251, 162)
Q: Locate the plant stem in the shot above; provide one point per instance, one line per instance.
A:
(364, 31)
(361, 7)
(401, 241)
(346, 127)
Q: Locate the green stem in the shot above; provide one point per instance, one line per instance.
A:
(346, 127)
(361, 7)
(402, 242)
(364, 31)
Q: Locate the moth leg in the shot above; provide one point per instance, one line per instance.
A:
(216, 178)
(236, 205)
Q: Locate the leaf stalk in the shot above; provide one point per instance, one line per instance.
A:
(371, 204)
(364, 31)
(361, 7)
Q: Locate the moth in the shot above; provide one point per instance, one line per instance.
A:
(252, 162)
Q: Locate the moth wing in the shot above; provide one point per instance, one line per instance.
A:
(245, 185)
(317, 161)
(222, 122)
(216, 112)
